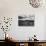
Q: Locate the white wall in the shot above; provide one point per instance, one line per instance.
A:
(14, 8)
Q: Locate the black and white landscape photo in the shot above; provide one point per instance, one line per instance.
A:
(25, 20)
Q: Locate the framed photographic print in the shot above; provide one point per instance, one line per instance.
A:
(25, 20)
